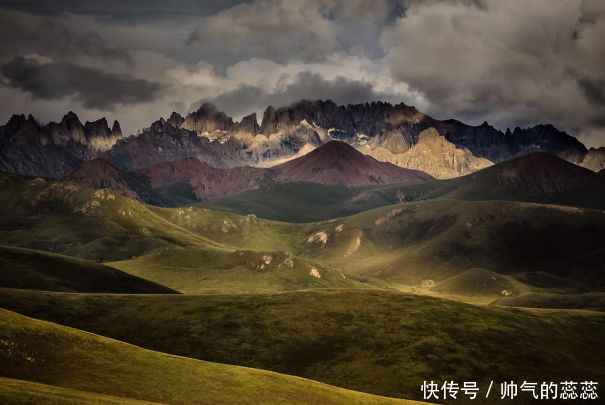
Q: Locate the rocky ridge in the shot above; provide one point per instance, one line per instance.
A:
(388, 132)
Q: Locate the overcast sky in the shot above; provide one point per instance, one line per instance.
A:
(511, 63)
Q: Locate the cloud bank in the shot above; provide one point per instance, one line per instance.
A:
(512, 63)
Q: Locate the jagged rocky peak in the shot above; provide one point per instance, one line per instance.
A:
(70, 129)
(162, 128)
(18, 122)
(99, 136)
(368, 115)
(551, 140)
(157, 126)
(248, 124)
(71, 119)
(115, 128)
(97, 128)
(175, 119)
(268, 119)
(207, 119)
(402, 113)
(324, 114)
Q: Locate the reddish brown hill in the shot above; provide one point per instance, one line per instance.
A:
(538, 177)
(333, 163)
(167, 173)
(339, 163)
(206, 181)
(99, 173)
(535, 173)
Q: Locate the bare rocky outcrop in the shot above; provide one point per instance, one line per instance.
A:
(432, 154)
(594, 159)
(320, 237)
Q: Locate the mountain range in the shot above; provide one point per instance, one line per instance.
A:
(398, 134)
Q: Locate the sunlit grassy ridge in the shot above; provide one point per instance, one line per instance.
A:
(373, 341)
(38, 351)
(548, 247)
(407, 244)
(77, 221)
(189, 249)
(19, 392)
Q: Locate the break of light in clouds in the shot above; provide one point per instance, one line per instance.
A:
(511, 63)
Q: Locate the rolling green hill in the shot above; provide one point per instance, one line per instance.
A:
(537, 246)
(477, 281)
(298, 202)
(541, 248)
(81, 222)
(194, 271)
(19, 392)
(82, 365)
(37, 270)
(373, 341)
(592, 300)
(414, 243)
(190, 249)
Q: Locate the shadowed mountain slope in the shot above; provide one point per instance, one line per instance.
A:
(99, 173)
(38, 270)
(538, 177)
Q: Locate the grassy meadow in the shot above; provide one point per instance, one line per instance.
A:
(373, 296)
(87, 367)
(336, 335)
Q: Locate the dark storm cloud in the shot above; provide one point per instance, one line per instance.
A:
(92, 87)
(594, 89)
(306, 30)
(122, 9)
(22, 33)
(512, 62)
(247, 98)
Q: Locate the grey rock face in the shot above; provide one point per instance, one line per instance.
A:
(207, 119)
(50, 151)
